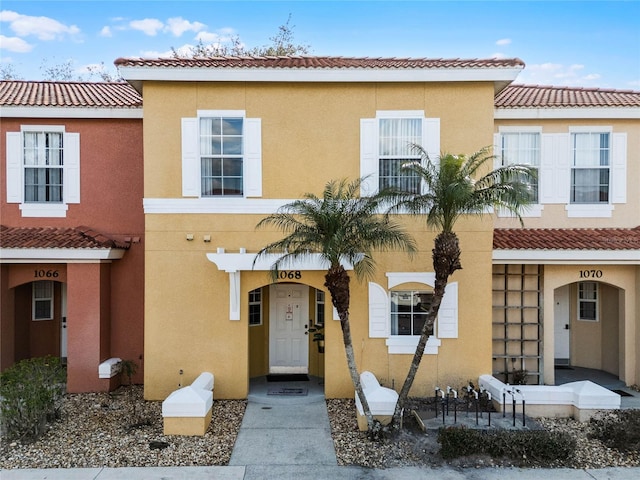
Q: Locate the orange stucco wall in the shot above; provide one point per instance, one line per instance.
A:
(310, 135)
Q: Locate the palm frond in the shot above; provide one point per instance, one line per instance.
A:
(340, 226)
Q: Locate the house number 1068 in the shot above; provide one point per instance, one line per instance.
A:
(590, 273)
(290, 274)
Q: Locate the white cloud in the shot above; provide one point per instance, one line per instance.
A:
(14, 44)
(558, 74)
(504, 41)
(165, 54)
(43, 28)
(178, 25)
(210, 37)
(148, 26)
(106, 32)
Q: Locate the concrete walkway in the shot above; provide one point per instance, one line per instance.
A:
(285, 429)
(288, 437)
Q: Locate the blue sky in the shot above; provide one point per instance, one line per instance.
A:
(574, 43)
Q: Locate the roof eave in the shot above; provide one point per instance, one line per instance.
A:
(27, 111)
(527, 113)
(500, 76)
(60, 255)
(570, 257)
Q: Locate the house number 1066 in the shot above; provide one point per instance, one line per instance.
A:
(46, 273)
(590, 273)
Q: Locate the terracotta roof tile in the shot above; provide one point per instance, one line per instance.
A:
(47, 237)
(535, 96)
(566, 238)
(68, 94)
(313, 62)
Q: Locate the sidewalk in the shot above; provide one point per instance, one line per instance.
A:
(289, 437)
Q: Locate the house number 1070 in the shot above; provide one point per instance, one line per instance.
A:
(590, 273)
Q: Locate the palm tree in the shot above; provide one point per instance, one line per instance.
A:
(342, 227)
(455, 187)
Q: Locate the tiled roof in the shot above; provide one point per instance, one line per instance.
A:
(566, 238)
(68, 94)
(535, 96)
(46, 237)
(313, 62)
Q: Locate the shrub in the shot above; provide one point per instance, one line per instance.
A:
(619, 429)
(528, 445)
(30, 395)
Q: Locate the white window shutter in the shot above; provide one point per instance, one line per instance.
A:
(555, 168)
(379, 320)
(15, 187)
(431, 138)
(190, 158)
(619, 168)
(253, 157)
(71, 177)
(448, 313)
(369, 155)
(563, 172)
(497, 151)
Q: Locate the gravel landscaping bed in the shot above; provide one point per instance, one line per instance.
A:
(122, 430)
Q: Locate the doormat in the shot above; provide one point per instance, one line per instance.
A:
(296, 392)
(288, 377)
(622, 393)
(563, 367)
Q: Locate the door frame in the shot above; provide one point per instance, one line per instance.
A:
(302, 330)
(562, 325)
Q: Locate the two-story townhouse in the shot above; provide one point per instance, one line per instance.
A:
(71, 249)
(566, 288)
(228, 141)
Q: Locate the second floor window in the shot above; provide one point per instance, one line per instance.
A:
(221, 156)
(590, 163)
(522, 149)
(397, 136)
(43, 167)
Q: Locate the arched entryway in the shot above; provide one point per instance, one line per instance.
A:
(589, 326)
(285, 322)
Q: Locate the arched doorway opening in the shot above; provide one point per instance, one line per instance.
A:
(588, 326)
(283, 318)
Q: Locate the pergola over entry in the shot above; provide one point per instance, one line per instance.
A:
(235, 263)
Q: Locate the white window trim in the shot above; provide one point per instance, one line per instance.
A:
(252, 156)
(50, 299)
(256, 303)
(369, 145)
(555, 171)
(381, 311)
(596, 301)
(320, 305)
(589, 210)
(594, 210)
(15, 173)
(533, 210)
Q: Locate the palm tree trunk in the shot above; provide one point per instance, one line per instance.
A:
(446, 260)
(337, 281)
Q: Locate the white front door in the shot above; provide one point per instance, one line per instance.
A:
(288, 328)
(561, 323)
